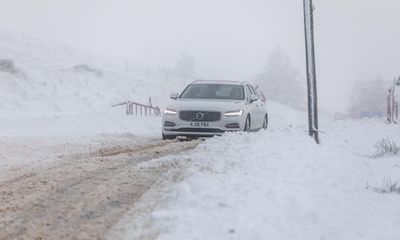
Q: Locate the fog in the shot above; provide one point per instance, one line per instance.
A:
(229, 39)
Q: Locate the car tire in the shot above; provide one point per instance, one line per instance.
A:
(167, 137)
(247, 124)
(265, 123)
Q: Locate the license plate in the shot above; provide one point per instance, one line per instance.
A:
(199, 124)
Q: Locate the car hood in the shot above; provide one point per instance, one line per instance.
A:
(201, 104)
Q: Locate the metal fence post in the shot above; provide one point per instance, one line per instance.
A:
(308, 9)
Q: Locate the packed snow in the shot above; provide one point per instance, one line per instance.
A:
(278, 184)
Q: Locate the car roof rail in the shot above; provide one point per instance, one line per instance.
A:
(237, 82)
(198, 80)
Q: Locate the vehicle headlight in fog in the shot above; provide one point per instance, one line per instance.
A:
(237, 113)
(169, 112)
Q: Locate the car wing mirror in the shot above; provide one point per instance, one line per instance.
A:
(174, 96)
(253, 98)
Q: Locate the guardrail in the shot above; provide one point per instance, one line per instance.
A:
(134, 108)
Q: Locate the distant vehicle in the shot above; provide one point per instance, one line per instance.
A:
(368, 99)
(209, 108)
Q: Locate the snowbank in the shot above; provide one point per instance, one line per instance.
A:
(278, 184)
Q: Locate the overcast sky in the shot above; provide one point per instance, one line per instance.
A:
(230, 39)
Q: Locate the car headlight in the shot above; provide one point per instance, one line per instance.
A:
(169, 112)
(237, 113)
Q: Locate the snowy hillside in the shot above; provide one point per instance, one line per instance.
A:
(47, 80)
(47, 89)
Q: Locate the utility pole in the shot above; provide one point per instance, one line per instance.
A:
(311, 70)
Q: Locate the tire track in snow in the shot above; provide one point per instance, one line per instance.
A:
(82, 195)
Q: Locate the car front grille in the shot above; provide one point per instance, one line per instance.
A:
(198, 130)
(200, 116)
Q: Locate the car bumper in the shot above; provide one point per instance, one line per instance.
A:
(174, 126)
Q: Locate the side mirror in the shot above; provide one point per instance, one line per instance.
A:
(174, 96)
(253, 98)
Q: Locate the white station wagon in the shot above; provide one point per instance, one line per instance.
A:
(209, 108)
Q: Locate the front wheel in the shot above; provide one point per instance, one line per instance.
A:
(265, 123)
(247, 124)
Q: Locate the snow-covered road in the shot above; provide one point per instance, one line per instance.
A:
(82, 191)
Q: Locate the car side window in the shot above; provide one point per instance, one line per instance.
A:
(255, 91)
(252, 91)
(248, 88)
(260, 94)
(248, 93)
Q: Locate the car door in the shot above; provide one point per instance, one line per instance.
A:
(254, 108)
(260, 108)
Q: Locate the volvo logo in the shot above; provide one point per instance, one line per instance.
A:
(199, 116)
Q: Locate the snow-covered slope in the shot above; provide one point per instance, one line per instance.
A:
(54, 80)
(47, 89)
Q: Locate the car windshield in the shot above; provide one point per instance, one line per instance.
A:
(214, 91)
